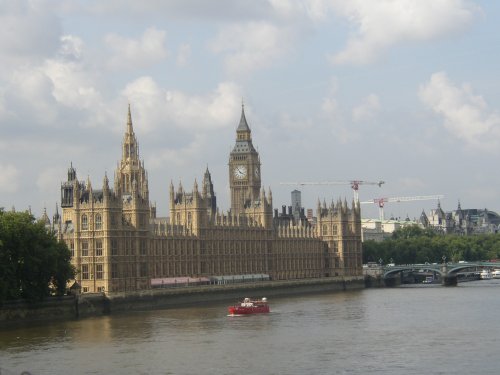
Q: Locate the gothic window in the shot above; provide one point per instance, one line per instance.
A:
(85, 222)
(335, 229)
(325, 229)
(114, 270)
(98, 222)
(143, 269)
(99, 271)
(98, 248)
(114, 247)
(85, 271)
(157, 269)
(72, 248)
(85, 249)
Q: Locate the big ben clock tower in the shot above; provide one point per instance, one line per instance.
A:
(244, 169)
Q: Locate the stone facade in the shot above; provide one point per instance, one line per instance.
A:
(119, 244)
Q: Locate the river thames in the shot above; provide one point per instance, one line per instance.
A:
(405, 330)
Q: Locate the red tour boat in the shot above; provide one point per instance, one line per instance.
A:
(249, 306)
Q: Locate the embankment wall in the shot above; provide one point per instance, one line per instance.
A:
(81, 306)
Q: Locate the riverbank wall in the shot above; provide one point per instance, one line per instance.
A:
(87, 305)
(170, 297)
(53, 309)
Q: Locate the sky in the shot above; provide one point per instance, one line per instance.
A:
(396, 90)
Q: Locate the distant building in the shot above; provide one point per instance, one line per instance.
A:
(376, 230)
(460, 222)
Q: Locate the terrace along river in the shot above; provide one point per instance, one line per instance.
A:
(407, 330)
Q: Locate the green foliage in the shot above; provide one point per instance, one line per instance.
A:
(412, 231)
(411, 245)
(31, 259)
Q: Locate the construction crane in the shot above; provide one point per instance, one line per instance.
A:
(381, 201)
(354, 184)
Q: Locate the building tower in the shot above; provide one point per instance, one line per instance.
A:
(244, 169)
(130, 173)
(296, 205)
(208, 194)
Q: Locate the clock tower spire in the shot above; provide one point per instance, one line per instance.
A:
(244, 169)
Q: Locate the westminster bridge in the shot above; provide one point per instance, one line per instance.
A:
(448, 273)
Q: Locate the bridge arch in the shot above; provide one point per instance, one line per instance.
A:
(395, 270)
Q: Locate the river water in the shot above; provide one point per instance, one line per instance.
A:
(422, 329)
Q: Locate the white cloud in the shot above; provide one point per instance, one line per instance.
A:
(28, 29)
(184, 55)
(9, 178)
(71, 47)
(179, 157)
(251, 46)
(384, 23)
(49, 179)
(367, 109)
(156, 107)
(72, 85)
(333, 115)
(466, 115)
(39, 93)
(30, 92)
(128, 53)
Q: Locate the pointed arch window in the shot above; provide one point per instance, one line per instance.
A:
(99, 271)
(98, 248)
(85, 222)
(98, 222)
(85, 249)
(85, 271)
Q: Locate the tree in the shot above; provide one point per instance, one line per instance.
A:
(411, 231)
(415, 245)
(32, 260)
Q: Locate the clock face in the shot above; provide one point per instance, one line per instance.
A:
(240, 171)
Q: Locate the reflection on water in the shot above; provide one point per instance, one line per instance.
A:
(410, 330)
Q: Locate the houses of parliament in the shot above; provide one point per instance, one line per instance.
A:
(119, 244)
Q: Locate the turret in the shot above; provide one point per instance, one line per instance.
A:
(71, 173)
(68, 188)
(88, 184)
(171, 193)
(105, 185)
